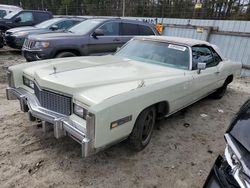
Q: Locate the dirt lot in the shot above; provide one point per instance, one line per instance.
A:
(178, 156)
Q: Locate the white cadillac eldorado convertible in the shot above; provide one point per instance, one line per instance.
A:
(99, 101)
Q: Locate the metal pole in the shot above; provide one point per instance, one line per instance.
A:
(42, 5)
(162, 11)
(123, 8)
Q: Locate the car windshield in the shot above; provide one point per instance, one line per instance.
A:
(12, 14)
(85, 26)
(47, 23)
(162, 53)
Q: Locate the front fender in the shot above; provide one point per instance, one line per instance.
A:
(59, 48)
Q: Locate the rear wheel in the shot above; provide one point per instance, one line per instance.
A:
(143, 129)
(65, 54)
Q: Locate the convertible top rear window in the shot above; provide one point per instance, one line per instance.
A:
(155, 52)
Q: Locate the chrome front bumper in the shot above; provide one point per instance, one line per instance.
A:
(62, 124)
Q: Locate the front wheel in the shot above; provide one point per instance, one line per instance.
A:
(219, 93)
(143, 129)
(65, 54)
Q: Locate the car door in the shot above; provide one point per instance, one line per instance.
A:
(25, 18)
(206, 81)
(107, 43)
(41, 16)
(128, 31)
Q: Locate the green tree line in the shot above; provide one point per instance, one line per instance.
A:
(210, 9)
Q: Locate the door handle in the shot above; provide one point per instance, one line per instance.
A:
(116, 40)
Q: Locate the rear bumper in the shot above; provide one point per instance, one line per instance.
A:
(62, 124)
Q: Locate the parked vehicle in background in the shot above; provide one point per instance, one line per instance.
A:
(15, 37)
(91, 37)
(101, 100)
(1, 40)
(7, 9)
(233, 170)
(23, 18)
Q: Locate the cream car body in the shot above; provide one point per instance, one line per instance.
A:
(114, 89)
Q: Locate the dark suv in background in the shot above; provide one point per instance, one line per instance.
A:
(23, 18)
(15, 37)
(90, 37)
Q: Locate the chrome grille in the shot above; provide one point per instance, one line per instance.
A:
(53, 101)
(28, 44)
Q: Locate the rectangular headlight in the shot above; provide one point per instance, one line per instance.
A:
(40, 44)
(28, 82)
(79, 111)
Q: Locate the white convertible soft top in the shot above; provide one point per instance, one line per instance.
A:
(184, 41)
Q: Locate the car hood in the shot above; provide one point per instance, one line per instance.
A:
(18, 29)
(53, 36)
(94, 79)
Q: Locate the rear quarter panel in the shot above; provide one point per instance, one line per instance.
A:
(225, 69)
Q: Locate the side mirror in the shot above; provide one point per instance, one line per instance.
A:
(17, 19)
(53, 27)
(98, 32)
(201, 66)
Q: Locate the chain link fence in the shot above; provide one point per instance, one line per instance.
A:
(208, 9)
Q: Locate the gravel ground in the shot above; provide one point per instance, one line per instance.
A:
(181, 153)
